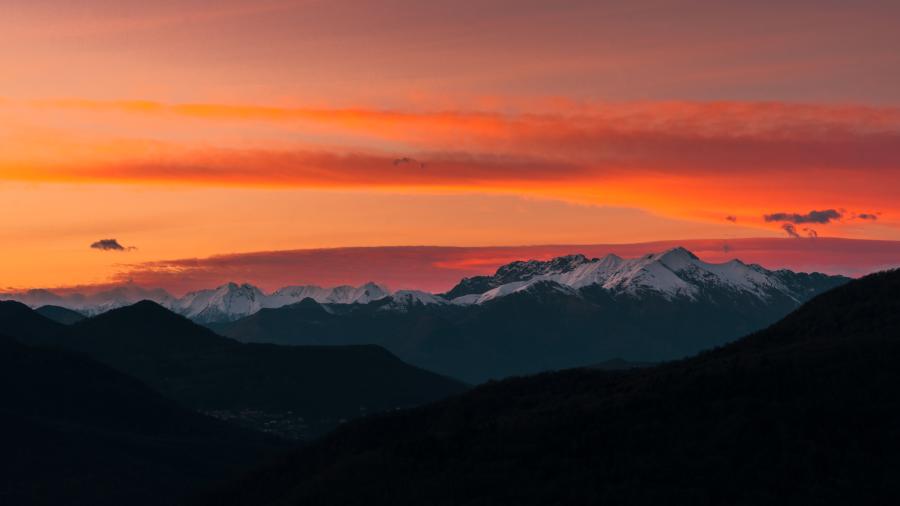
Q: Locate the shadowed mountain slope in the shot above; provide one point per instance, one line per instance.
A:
(804, 412)
(76, 432)
(252, 383)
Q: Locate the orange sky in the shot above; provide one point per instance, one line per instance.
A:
(188, 129)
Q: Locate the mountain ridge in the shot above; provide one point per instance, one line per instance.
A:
(567, 312)
(675, 273)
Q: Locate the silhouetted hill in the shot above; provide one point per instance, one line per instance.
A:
(293, 390)
(73, 431)
(19, 320)
(804, 412)
(60, 314)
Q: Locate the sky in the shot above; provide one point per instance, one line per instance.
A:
(148, 141)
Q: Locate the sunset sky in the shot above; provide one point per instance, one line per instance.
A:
(202, 137)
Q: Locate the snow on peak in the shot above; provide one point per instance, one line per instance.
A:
(356, 294)
(229, 301)
(344, 294)
(403, 300)
(527, 269)
(535, 285)
(93, 303)
(672, 273)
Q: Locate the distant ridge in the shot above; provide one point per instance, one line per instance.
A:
(672, 273)
(223, 303)
(61, 315)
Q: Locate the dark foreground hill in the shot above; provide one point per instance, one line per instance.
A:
(75, 432)
(18, 320)
(295, 391)
(804, 412)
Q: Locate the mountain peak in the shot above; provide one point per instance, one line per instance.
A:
(524, 270)
(680, 251)
(677, 258)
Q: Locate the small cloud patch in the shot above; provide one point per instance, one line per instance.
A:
(110, 245)
(791, 230)
(408, 161)
(821, 217)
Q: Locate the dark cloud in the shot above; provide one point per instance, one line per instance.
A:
(110, 245)
(732, 218)
(811, 233)
(822, 217)
(867, 216)
(408, 161)
(791, 230)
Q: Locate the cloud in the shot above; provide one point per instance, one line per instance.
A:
(110, 245)
(822, 217)
(791, 230)
(668, 137)
(867, 216)
(640, 154)
(731, 218)
(408, 161)
(811, 233)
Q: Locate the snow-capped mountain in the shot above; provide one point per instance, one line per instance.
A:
(404, 300)
(343, 294)
(93, 303)
(224, 303)
(671, 274)
(569, 311)
(232, 301)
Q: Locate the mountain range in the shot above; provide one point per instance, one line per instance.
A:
(803, 412)
(543, 315)
(673, 274)
(528, 317)
(224, 303)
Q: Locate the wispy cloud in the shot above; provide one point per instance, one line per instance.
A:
(625, 154)
(791, 230)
